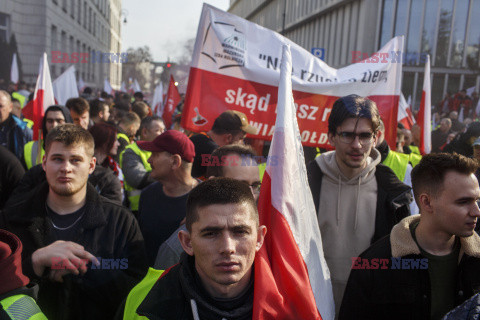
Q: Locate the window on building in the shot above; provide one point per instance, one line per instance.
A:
(438, 81)
(72, 8)
(429, 25)
(469, 81)
(458, 33)
(407, 84)
(444, 28)
(453, 85)
(473, 44)
(413, 38)
(4, 27)
(90, 19)
(64, 5)
(53, 39)
(79, 13)
(94, 22)
(85, 14)
(401, 18)
(71, 45)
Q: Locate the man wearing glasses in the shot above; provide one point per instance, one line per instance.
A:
(358, 200)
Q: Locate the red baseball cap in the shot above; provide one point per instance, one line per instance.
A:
(172, 141)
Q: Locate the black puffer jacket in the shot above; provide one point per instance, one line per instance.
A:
(107, 230)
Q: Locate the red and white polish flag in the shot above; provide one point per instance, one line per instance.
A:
(425, 113)
(173, 98)
(42, 99)
(405, 116)
(292, 280)
(65, 86)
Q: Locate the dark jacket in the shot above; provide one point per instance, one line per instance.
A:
(107, 230)
(11, 173)
(17, 135)
(170, 297)
(393, 197)
(404, 293)
(102, 179)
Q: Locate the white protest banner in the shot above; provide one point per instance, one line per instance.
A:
(236, 65)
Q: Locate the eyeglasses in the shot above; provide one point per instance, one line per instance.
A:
(365, 138)
(255, 187)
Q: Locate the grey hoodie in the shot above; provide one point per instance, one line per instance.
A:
(346, 216)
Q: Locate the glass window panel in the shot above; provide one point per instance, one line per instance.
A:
(473, 44)
(407, 84)
(3, 36)
(469, 81)
(386, 22)
(413, 41)
(458, 33)
(453, 83)
(437, 88)
(429, 25)
(444, 32)
(401, 19)
(3, 20)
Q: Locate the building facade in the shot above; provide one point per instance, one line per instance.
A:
(447, 30)
(62, 28)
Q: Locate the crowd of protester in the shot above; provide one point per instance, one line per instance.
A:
(107, 192)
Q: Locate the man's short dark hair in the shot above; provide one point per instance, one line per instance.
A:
(147, 122)
(218, 191)
(138, 94)
(77, 105)
(353, 106)
(97, 106)
(215, 168)
(428, 176)
(70, 135)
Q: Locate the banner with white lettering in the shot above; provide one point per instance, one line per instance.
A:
(236, 65)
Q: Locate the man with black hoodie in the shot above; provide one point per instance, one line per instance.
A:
(358, 200)
(34, 150)
(85, 251)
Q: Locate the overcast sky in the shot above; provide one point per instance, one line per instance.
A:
(163, 25)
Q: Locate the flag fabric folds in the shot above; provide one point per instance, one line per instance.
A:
(157, 102)
(292, 280)
(425, 113)
(14, 75)
(405, 115)
(172, 99)
(42, 99)
(65, 86)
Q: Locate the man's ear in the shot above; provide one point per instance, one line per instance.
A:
(44, 161)
(331, 139)
(186, 241)
(177, 161)
(261, 232)
(93, 163)
(425, 202)
(228, 138)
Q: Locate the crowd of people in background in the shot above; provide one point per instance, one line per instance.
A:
(108, 191)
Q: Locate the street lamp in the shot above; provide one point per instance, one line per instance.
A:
(124, 13)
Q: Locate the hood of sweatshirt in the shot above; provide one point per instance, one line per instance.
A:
(328, 164)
